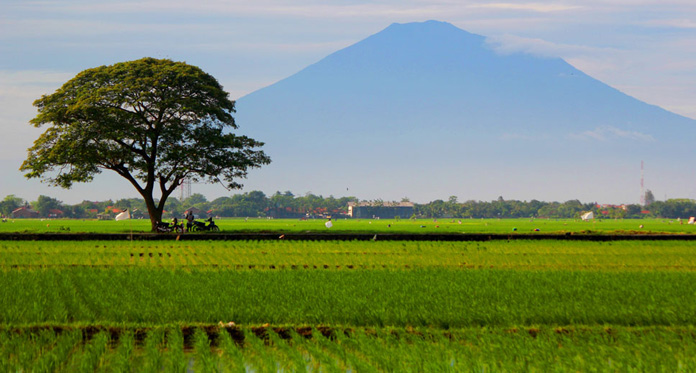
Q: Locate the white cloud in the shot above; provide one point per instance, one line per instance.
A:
(507, 43)
(533, 7)
(663, 76)
(608, 133)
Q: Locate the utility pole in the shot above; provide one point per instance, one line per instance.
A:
(642, 185)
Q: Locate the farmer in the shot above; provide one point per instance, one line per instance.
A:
(189, 220)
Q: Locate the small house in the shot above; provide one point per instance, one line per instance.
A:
(380, 210)
(24, 212)
(55, 213)
(197, 213)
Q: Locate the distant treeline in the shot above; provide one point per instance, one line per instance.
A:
(573, 209)
(287, 205)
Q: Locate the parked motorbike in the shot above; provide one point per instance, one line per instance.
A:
(202, 227)
(163, 227)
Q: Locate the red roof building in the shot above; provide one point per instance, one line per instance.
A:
(55, 213)
(24, 212)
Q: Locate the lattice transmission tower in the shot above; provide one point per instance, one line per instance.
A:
(185, 189)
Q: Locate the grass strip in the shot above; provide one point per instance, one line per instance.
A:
(440, 298)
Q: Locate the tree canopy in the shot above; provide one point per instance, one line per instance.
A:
(9, 204)
(154, 122)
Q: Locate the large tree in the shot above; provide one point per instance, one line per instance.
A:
(154, 122)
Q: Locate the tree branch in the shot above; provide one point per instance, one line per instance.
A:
(123, 171)
(167, 191)
(131, 147)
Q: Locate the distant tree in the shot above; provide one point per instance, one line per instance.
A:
(535, 206)
(195, 199)
(124, 203)
(549, 210)
(221, 201)
(674, 208)
(649, 197)
(174, 208)
(633, 211)
(570, 209)
(617, 213)
(74, 211)
(44, 204)
(153, 122)
(10, 203)
(253, 203)
(257, 197)
(281, 201)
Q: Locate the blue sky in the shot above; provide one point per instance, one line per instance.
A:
(645, 48)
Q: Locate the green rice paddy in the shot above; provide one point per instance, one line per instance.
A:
(516, 305)
(373, 226)
(352, 255)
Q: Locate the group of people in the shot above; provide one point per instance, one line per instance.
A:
(188, 216)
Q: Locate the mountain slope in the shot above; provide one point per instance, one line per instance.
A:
(427, 110)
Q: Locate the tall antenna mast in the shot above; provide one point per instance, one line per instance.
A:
(642, 186)
(184, 189)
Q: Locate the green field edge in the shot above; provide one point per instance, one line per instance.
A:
(338, 236)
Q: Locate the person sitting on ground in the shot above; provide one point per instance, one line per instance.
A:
(175, 224)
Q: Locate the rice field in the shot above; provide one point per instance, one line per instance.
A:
(371, 226)
(403, 298)
(347, 306)
(352, 255)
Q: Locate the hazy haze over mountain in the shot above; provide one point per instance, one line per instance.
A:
(427, 110)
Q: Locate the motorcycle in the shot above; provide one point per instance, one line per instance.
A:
(202, 227)
(163, 227)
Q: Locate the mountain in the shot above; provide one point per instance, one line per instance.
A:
(427, 110)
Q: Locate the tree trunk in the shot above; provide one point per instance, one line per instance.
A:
(153, 211)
